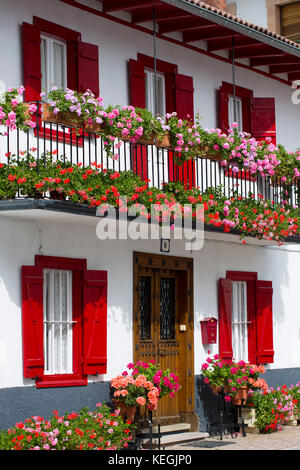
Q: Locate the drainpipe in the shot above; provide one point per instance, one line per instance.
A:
(155, 63)
(233, 81)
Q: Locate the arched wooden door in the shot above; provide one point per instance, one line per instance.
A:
(163, 325)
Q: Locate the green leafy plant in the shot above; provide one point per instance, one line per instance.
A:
(146, 384)
(231, 375)
(14, 113)
(273, 407)
(100, 429)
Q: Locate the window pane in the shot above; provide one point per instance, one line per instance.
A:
(235, 111)
(58, 65)
(167, 308)
(145, 308)
(44, 70)
(58, 321)
(239, 321)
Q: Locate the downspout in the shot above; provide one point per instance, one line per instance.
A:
(233, 81)
(155, 63)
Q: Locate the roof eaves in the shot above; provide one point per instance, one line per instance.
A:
(239, 25)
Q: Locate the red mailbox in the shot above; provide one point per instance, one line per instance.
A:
(209, 330)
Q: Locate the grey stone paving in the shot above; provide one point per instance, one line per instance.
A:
(288, 439)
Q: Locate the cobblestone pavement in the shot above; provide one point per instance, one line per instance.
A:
(288, 439)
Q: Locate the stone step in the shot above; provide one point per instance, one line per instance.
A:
(168, 428)
(174, 439)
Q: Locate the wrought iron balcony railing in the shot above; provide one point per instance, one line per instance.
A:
(156, 165)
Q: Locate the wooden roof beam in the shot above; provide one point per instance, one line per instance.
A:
(161, 14)
(259, 50)
(127, 5)
(206, 32)
(183, 24)
(226, 43)
(294, 76)
(274, 60)
(285, 68)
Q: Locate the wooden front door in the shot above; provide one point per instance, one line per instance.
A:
(163, 324)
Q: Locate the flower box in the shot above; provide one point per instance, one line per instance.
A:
(142, 140)
(69, 120)
(65, 119)
(163, 142)
(211, 154)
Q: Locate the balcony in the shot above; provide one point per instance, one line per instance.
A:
(156, 166)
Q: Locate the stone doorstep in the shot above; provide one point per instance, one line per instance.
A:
(168, 428)
(173, 439)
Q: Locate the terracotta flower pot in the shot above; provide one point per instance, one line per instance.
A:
(215, 389)
(241, 396)
(127, 412)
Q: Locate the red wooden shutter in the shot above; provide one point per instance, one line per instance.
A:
(95, 322)
(32, 321)
(264, 322)
(225, 328)
(251, 317)
(88, 68)
(263, 119)
(184, 96)
(138, 99)
(223, 109)
(137, 84)
(32, 62)
(184, 102)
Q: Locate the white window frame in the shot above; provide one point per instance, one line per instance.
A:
(239, 321)
(150, 92)
(52, 356)
(239, 111)
(48, 80)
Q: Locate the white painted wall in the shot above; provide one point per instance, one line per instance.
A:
(118, 44)
(75, 236)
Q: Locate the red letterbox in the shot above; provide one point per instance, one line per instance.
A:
(209, 330)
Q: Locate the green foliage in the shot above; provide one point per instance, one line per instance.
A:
(87, 430)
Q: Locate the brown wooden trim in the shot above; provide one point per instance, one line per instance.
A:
(184, 268)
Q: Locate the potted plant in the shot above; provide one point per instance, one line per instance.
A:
(74, 109)
(144, 386)
(14, 113)
(235, 378)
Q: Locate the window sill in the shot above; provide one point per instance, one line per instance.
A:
(48, 381)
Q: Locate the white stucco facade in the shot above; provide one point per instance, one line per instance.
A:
(118, 44)
(24, 236)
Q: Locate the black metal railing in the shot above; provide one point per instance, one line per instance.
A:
(157, 165)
